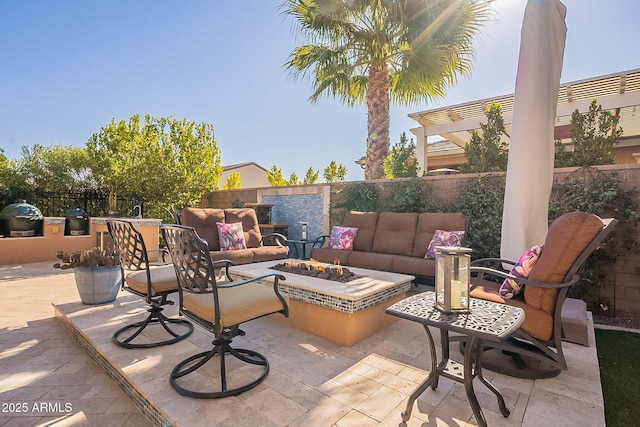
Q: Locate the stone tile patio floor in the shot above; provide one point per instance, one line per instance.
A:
(312, 382)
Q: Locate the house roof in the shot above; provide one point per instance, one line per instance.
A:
(618, 93)
(241, 165)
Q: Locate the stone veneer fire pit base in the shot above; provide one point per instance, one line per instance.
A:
(345, 313)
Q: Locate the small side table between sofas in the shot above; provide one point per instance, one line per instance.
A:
(314, 243)
(486, 321)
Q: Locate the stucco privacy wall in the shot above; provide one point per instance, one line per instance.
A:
(295, 204)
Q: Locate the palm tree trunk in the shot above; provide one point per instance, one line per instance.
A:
(377, 120)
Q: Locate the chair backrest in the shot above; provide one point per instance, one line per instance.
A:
(192, 262)
(570, 240)
(129, 244)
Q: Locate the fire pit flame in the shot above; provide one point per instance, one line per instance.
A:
(338, 274)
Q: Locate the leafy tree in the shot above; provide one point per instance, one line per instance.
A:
(168, 163)
(233, 182)
(378, 52)
(8, 173)
(293, 179)
(275, 177)
(487, 153)
(592, 137)
(402, 161)
(311, 177)
(56, 168)
(334, 172)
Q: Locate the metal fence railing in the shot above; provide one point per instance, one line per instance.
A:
(54, 203)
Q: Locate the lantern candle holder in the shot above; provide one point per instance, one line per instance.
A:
(453, 279)
(304, 227)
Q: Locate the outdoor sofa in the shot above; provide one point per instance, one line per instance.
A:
(206, 222)
(395, 242)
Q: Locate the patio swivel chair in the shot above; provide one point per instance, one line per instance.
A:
(152, 282)
(536, 348)
(220, 308)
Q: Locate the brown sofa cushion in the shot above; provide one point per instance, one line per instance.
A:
(249, 220)
(239, 256)
(395, 233)
(428, 223)
(268, 253)
(373, 260)
(366, 224)
(203, 220)
(567, 238)
(412, 265)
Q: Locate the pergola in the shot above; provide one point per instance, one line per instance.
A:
(453, 125)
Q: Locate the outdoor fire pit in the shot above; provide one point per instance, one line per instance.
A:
(21, 219)
(335, 273)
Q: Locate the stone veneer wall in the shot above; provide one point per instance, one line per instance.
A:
(293, 204)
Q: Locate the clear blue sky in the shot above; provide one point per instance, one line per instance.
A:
(68, 67)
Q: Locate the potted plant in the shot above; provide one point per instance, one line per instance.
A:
(97, 273)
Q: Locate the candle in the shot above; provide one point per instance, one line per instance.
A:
(456, 286)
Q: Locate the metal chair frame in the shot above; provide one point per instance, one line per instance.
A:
(133, 256)
(196, 274)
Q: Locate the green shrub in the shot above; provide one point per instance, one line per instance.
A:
(361, 197)
(590, 190)
(413, 195)
(482, 200)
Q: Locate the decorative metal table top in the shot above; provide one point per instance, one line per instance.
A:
(487, 320)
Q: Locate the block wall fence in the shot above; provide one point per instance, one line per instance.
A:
(316, 204)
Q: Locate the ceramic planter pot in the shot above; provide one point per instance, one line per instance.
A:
(98, 285)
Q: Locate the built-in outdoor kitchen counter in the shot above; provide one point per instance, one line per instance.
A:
(20, 250)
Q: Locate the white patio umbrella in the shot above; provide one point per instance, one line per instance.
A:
(530, 166)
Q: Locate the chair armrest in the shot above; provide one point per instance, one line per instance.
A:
(282, 241)
(322, 240)
(163, 253)
(504, 275)
(227, 263)
(480, 261)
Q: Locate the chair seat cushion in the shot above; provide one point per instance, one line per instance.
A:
(537, 323)
(163, 279)
(237, 305)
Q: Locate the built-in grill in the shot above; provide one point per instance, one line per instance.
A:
(21, 219)
(76, 222)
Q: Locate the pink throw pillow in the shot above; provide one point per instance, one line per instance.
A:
(231, 236)
(443, 238)
(510, 288)
(342, 237)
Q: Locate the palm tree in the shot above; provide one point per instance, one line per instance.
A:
(382, 51)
